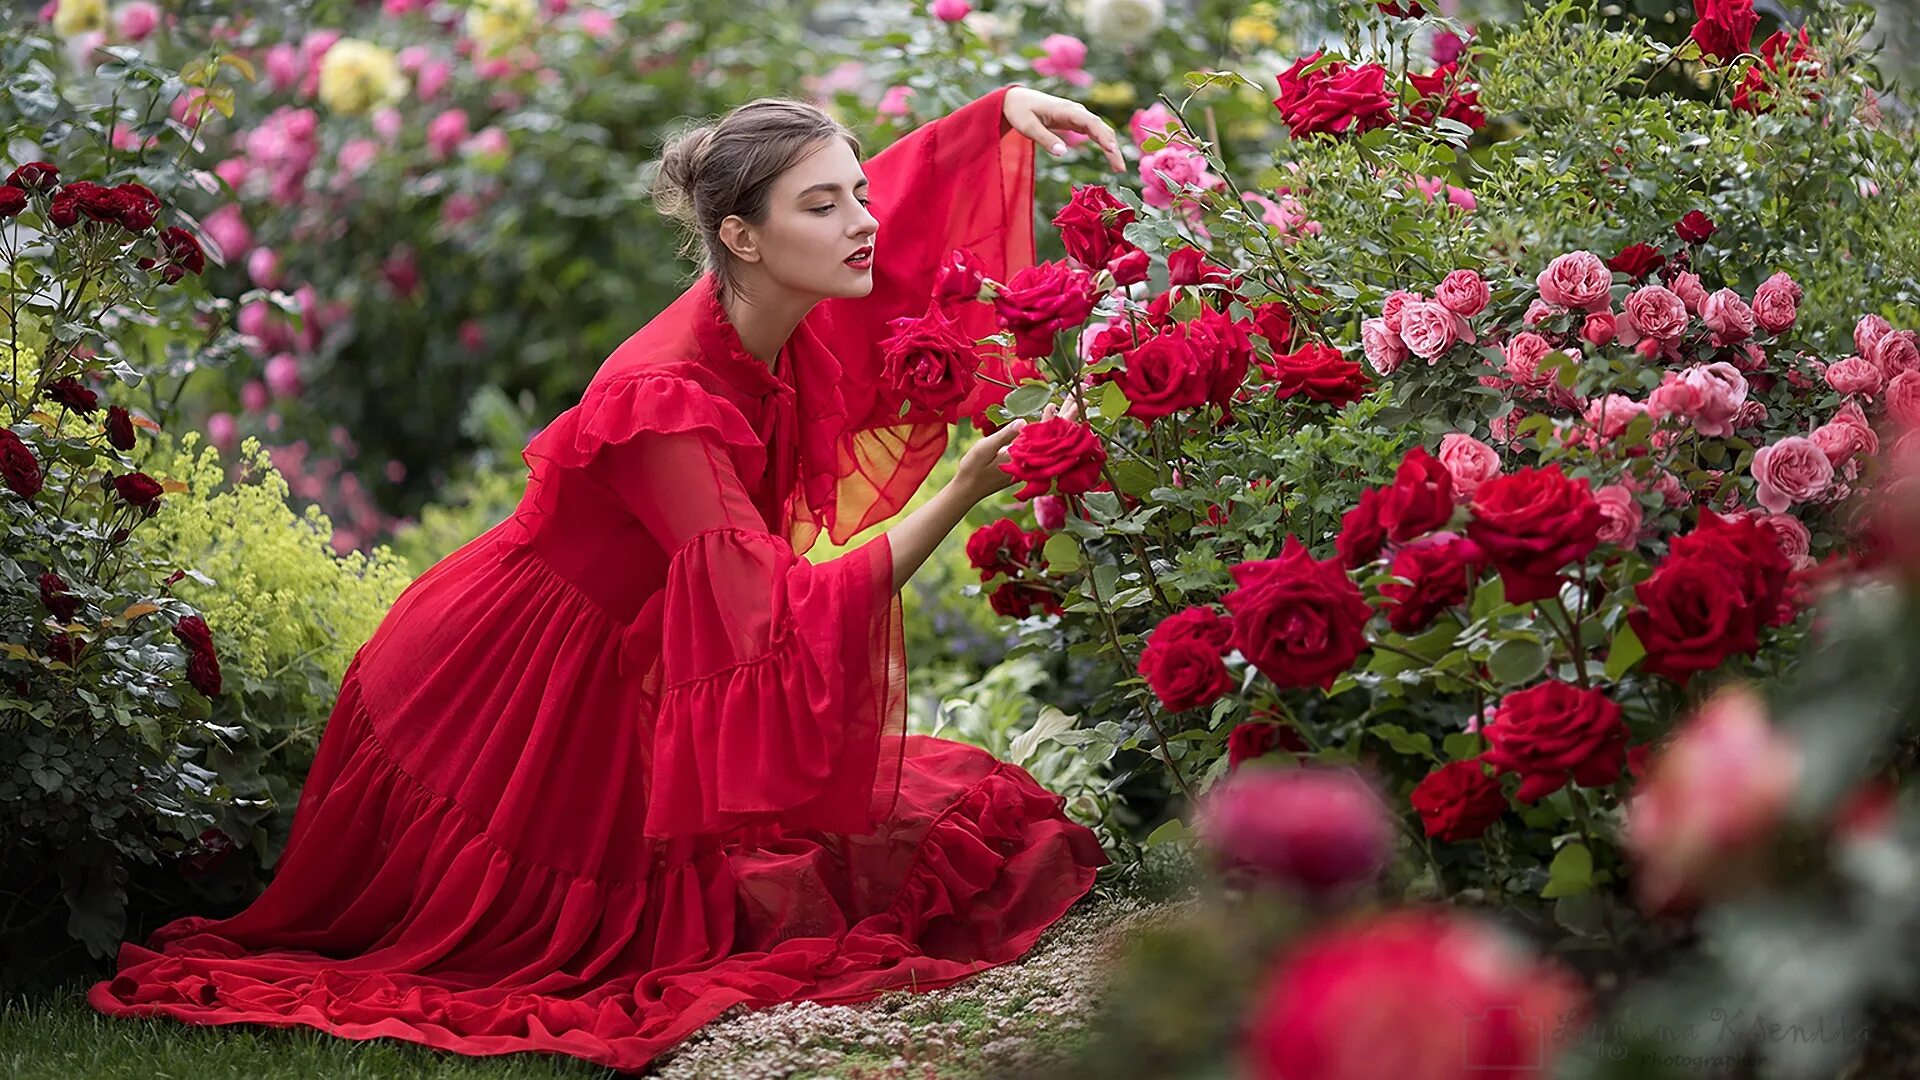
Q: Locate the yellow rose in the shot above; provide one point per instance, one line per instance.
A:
(495, 24)
(358, 76)
(74, 17)
(1249, 32)
(1111, 95)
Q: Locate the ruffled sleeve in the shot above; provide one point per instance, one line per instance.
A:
(779, 684)
(962, 181)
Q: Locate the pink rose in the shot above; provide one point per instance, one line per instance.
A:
(1895, 352)
(1903, 399)
(138, 19)
(1776, 304)
(1728, 316)
(1063, 56)
(1868, 331)
(1524, 351)
(1469, 462)
(263, 266)
(228, 231)
(446, 132)
(1578, 279)
(283, 376)
(1599, 329)
(1154, 120)
(1463, 293)
(950, 10)
(1842, 441)
(1384, 350)
(1539, 311)
(1794, 540)
(1428, 328)
(1707, 395)
(1171, 168)
(1855, 375)
(1620, 515)
(1790, 471)
(1657, 313)
(1609, 416)
(1750, 415)
(1395, 303)
(1686, 285)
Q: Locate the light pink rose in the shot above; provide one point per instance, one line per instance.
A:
(1463, 293)
(1776, 304)
(1428, 328)
(1707, 395)
(446, 132)
(1794, 540)
(489, 142)
(1686, 285)
(1750, 415)
(1793, 470)
(138, 19)
(1156, 119)
(253, 396)
(1855, 375)
(222, 430)
(1063, 56)
(433, 78)
(1384, 350)
(1394, 304)
(283, 66)
(1578, 279)
(1896, 352)
(1171, 168)
(283, 376)
(1540, 311)
(1842, 441)
(1469, 462)
(1903, 399)
(600, 25)
(263, 266)
(1610, 416)
(228, 231)
(1728, 316)
(1656, 312)
(1868, 331)
(1620, 515)
(357, 155)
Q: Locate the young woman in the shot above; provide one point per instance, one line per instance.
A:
(628, 759)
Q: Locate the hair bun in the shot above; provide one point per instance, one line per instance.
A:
(679, 170)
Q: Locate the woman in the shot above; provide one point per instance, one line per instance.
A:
(627, 759)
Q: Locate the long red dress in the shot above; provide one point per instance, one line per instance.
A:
(627, 759)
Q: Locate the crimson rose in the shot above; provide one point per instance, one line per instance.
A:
(54, 594)
(1458, 801)
(1695, 228)
(183, 252)
(1438, 571)
(12, 201)
(1181, 662)
(1637, 261)
(1256, 739)
(959, 279)
(1748, 547)
(1162, 377)
(931, 364)
(119, 428)
(1419, 500)
(138, 489)
(1361, 534)
(37, 176)
(1090, 227)
(1549, 732)
(1320, 373)
(1003, 547)
(1333, 98)
(1300, 621)
(1042, 300)
(18, 466)
(1531, 523)
(1693, 615)
(70, 393)
(1723, 28)
(1056, 454)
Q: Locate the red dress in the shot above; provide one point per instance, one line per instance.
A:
(627, 759)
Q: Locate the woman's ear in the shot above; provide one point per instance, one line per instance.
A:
(739, 238)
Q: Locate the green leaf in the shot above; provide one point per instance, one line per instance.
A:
(1571, 872)
(1063, 555)
(1028, 400)
(1625, 651)
(1517, 661)
(1169, 831)
(1135, 478)
(1460, 746)
(1113, 401)
(1413, 744)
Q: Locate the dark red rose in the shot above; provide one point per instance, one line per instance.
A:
(193, 631)
(1335, 99)
(1748, 548)
(1694, 228)
(66, 648)
(1637, 261)
(1439, 572)
(931, 364)
(1410, 9)
(1554, 731)
(1361, 534)
(183, 252)
(1130, 268)
(83, 197)
(1723, 28)
(1419, 500)
(18, 466)
(1002, 547)
(138, 489)
(12, 201)
(1224, 351)
(1446, 88)
(1184, 672)
(959, 279)
(1257, 739)
(73, 395)
(119, 428)
(1200, 623)
(215, 848)
(1042, 300)
(1692, 616)
(203, 672)
(54, 594)
(1090, 227)
(1055, 455)
(136, 207)
(1458, 801)
(1530, 524)
(1300, 621)
(1162, 377)
(37, 176)
(1320, 373)
(1779, 52)
(1017, 599)
(1274, 321)
(1190, 266)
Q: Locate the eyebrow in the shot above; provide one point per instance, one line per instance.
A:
(829, 186)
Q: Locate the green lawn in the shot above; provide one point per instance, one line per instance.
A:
(1014, 1019)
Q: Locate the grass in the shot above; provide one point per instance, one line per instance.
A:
(1012, 1020)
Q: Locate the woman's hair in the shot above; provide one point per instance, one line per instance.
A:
(728, 166)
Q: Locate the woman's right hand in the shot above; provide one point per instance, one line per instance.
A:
(980, 474)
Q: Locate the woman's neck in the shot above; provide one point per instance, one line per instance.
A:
(765, 322)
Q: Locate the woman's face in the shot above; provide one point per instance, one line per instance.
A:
(816, 219)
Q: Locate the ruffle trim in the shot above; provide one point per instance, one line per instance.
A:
(625, 1018)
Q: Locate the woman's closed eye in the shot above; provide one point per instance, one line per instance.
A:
(829, 207)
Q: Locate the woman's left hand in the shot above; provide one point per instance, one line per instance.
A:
(1044, 118)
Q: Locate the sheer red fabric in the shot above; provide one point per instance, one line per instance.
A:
(629, 759)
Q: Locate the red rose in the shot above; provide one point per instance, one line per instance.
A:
(959, 279)
(1411, 9)
(1549, 732)
(1694, 228)
(1090, 227)
(1042, 300)
(1692, 616)
(1055, 455)
(1419, 500)
(193, 630)
(138, 489)
(1300, 621)
(203, 672)
(1531, 523)
(1335, 99)
(1438, 571)
(120, 428)
(34, 176)
(930, 364)
(1274, 321)
(1637, 261)
(1184, 671)
(1317, 830)
(83, 197)
(1777, 52)
(1723, 28)
(1748, 547)
(1002, 547)
(1202, 624)
(1458, 801)
(216, 848)
(18, 466)
(1224, 352)
(54, 594)
(1445, 87)
(12, 201)
(183, 252)
(1320, 373)
(1257, 739)
(70, 393)
(1130, 268)
(1162, 377)
(1189, 266)
(136, 207)
(66, 648)
(1361, 534)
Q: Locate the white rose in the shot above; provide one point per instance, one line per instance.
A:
(1124, 22)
